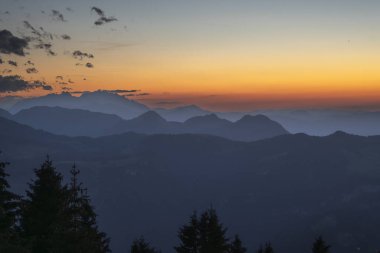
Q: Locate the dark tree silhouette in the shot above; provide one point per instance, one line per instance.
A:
(189, 236)
(141, 246)
(212, 234)
(268, 248)
(320, 246)
(44, 219)
(84, 235)
(9, 207)
(203, 235)
(237, 246)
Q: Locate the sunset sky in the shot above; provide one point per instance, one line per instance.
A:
(219, 54)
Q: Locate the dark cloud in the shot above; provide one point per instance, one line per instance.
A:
(32, 70)
(10, 44)
(103, 19)
(65, 37)
(66, 88)
(40, 34)
(57, 16)
(15, 83)
(122, 91)
(41, 38)
(143, 94)
(1, 61)
(77, 54)
(12, 63)
(32, 29)
(89, 65)
(69, 9)
(59, 78)
(110, 91)
(47, 47)
(47, 34)
(29, 63)
(70, 81)
(98, 11)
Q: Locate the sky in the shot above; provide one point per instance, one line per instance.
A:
(219, 54)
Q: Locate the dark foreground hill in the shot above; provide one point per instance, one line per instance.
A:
(286, 190)
(77, 122)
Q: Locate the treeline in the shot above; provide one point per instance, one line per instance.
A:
(55, 217)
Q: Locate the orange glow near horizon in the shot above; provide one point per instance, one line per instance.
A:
(241, 55)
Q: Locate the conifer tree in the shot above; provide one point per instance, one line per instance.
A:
(44, 220)
(9, 205)
(320, 246)
(212, 234)
(268, 248)
(237, 246)
(203, 235)
(141, 246)
(260, 250)
(84, 235)
(189, 236)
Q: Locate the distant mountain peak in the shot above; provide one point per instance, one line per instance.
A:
(150, 116)
(340, 134)
(212, 117)
(256, 118)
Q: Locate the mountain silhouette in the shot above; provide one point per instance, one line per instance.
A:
(181, 113)
(288, 188)
(71, 122)
(97, 101)
(5, 114)
(75, 122)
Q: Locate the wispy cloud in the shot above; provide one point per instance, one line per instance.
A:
(16, 83)
(103, 19)
(58, 16)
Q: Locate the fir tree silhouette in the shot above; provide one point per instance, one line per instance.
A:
(44, 218)
(141, 246)
(84, 235)
(268, 248)
(189, 236)
(203, 235)
(237, 246)
(320, 246)
(9, 208)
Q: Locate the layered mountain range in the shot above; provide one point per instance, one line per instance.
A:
(310, 121)
(77, 122)
(287, 189)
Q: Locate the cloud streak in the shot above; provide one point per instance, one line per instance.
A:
(77, 54)
(15, 83)
(32, 70)
(103, 19)
(57, 16)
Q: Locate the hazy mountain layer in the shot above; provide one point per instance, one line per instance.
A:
(287, 189)
(75, 122)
